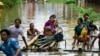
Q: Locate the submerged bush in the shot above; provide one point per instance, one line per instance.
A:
(93, 15)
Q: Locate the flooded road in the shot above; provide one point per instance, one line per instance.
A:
(39, 15)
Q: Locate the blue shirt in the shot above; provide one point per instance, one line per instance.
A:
(10, 47)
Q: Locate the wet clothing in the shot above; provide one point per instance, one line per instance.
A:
(50, 23)
(15, 32)
(78, 30)
(84, 32)
(92, 27)
(10, 47)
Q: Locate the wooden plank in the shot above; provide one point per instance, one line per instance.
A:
(30, 42)
(82, 51)
(33, 40)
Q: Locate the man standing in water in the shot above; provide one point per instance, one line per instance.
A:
(16, 31)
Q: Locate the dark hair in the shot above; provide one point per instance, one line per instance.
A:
(50, 17)
(54, 16)
(18, 20)
(86, 14)
(5, 30)
(80, 19)
(32, 24)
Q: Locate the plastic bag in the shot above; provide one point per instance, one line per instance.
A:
(84, 32)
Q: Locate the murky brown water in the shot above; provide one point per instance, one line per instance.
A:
(40, 14)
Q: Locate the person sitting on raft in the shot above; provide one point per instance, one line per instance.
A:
(48, 36)
(86, 20)
(92, 27)
(81, 33)
(51, 23)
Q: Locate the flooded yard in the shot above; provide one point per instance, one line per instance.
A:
(38, 13)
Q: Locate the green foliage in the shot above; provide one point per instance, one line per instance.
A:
(57, 1)
(70, 1)
(63, 1)
(10, 3)
(93, 15)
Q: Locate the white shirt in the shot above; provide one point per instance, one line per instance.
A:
(15, 32)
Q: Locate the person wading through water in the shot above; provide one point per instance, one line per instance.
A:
(16, 31)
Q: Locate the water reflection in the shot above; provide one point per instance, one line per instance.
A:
(31, 9)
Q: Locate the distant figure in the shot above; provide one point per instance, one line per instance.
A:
(10, 46)
(31, 9)
(16, 31)
(92, 30)
(32, 32)
(86, 21)
(92, 27)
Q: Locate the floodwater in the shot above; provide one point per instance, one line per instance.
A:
(38, 13)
